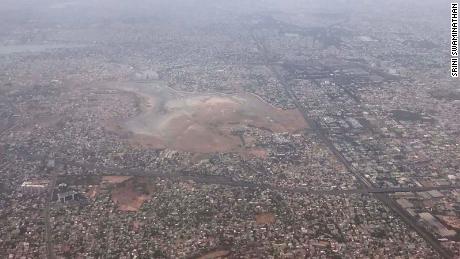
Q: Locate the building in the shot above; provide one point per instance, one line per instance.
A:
(35, 185)
(66, 196)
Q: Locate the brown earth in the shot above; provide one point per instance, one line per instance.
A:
(215, 254)
(93, 192)
(114, 179)
(265, 218)
(451, 221)
(257, 152)
(131, 194)
(201, 123)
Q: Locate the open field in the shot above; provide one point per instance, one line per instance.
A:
(265, 218)
(129, 195)
(202, 123)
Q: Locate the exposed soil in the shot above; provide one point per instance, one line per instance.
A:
(202, 123)
(215, 254)
(93, 192)
(258, 153)
(453, 222)
(265, 218)
(114, 179)
(130, 194)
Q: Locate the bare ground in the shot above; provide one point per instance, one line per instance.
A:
(201, 123)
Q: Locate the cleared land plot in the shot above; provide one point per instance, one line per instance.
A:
(202, 123)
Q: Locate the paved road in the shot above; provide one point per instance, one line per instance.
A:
(228, 181)
(48, 232)
(48, 235)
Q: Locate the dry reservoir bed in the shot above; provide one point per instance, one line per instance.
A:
(198, 122)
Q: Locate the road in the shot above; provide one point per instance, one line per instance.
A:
(47, 211)
(48, 235)
(228, 181)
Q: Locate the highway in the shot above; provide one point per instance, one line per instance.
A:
(48, 232)
(228, 181)
(49, 243)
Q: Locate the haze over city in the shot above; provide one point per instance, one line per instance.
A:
(229, 129)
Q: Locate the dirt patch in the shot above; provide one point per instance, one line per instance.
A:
(93, 192)
(453, 222)
(258, 153)
(215, 254)
(202, 123)
(265, 218)
(130, 194)
(114, 179)
(137, 225)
